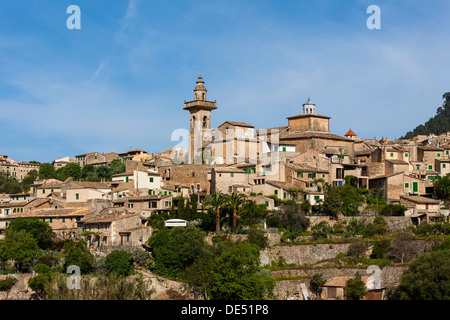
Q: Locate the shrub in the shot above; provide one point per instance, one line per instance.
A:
(76, 253)
(38, 283)
(356, 250)
(355, 288)
(320, 230)
(316, 282)
(119, 262)
(380, 249)
(7, 284)
(257, 236)
(42, 268)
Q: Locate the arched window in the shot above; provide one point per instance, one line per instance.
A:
(205, 120)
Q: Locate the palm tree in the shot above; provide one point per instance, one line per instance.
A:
(235, 200)
(216, 201)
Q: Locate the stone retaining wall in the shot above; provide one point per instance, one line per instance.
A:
(390, 277)
(302, 254)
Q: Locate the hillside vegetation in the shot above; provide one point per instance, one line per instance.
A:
(438, 124)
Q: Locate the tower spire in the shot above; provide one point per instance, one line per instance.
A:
(200, 89)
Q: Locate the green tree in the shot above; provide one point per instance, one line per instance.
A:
(332, 203)
(442, 187)
(380, 249)
(234, 201)
(355, 288)
(438, 124)
(393, 210)
(72, 170)
(19, 246)
(236, 276)
(38, 229)
(252, 213)
(104, 172)
(88, 171)
(257, 236)
(117, 166)
(427, 277)
(47, 171)
(316, 283)
(175, 249)
(120, 262)
(76, 253)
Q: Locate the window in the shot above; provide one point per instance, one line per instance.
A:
(406, 155)
(406, 185)
(51, 220)
(276, 192)
(430, 167)
(392, 154)
(151, 179)
(43, 190)
(418, 167)
(126, 179)
(439, 155)
(232, 174)
(443, 165)
(64, 220)
(77, 196)
(316, 197)
(284, 149)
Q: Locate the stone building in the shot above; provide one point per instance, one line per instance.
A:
(114, 228)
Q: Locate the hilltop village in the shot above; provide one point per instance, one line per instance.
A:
(297, 161)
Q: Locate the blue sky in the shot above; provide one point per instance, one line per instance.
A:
(120, 81)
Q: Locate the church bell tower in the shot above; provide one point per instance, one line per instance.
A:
(200, 120)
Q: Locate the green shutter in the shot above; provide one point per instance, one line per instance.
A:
(443, 165)
(406, 185)
(438, 155)
(151, 179)
(415, 187)
(430, 167)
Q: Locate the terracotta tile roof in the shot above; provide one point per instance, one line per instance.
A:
(238, 124)
(64, 212)
(341, 281)
(311, 134)
(283, 185)
(350, 133)
(89, 184)
(419, 199)
(430, 148)
(396, 161)
(107, 216)
(229, 169)
(308, 115)
(305, 168)
(384, 176)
